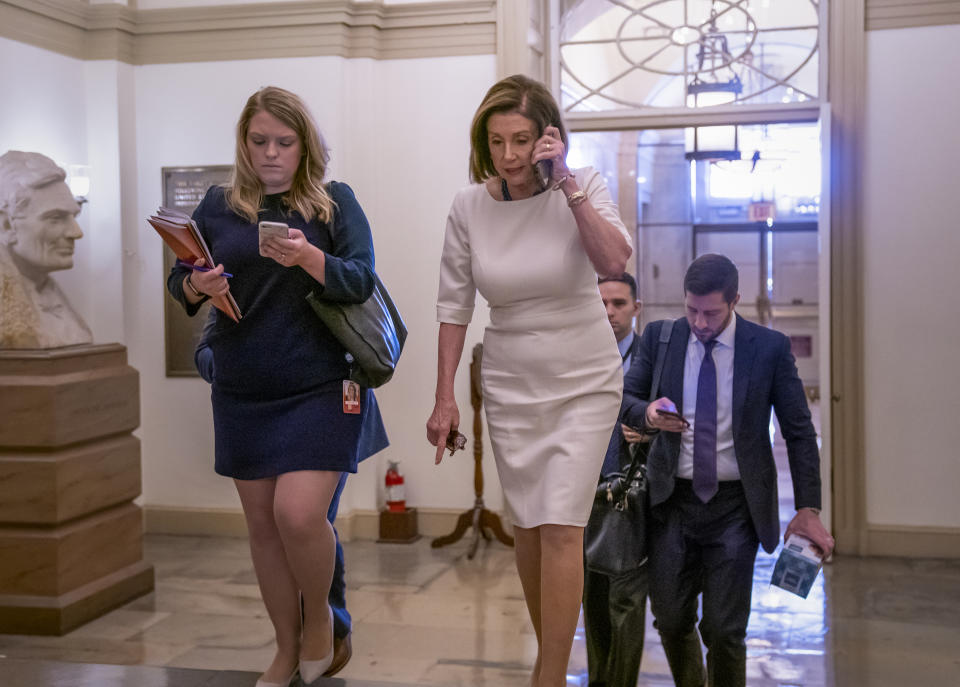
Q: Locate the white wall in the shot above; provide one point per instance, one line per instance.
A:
(406, 157)
(42, 104)
(71, 111)
(183, 120)
(400, 140)
(43, 110)
(911, 247)
(398, 131)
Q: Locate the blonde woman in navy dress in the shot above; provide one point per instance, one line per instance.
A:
(280, 426)
(551, 372)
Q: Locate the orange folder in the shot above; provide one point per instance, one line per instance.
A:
(180, 232)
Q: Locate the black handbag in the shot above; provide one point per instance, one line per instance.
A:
(615, 538)
(372, 332)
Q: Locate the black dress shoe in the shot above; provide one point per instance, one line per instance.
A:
(342, 651)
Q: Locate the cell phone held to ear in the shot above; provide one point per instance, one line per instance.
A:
(272, 229)
(543, 171)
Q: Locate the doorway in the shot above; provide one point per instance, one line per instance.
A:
(761, 210)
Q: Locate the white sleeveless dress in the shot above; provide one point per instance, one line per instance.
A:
(551, 372)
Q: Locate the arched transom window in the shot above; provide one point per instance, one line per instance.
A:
(645, 54)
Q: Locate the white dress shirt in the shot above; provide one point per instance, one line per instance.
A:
(727, 468)
(624, 347)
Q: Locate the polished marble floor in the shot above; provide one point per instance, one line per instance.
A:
(432, 617)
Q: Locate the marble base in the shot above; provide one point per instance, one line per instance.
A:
(57, 615)
(50, 561)
(70, 535)
(60, 396)
(56, 486)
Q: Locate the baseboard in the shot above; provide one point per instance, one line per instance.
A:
(210, 522)
(227, 522)
(431, 522)
(913, 542)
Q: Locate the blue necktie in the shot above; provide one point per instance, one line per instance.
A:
(705, 428)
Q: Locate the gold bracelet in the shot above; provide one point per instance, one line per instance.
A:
(575, 198)
(556, 187)
(196, 292)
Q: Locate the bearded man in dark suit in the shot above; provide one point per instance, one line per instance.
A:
(711, 472)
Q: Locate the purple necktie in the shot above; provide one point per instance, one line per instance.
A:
(705, 428)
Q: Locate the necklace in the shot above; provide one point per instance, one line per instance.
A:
(506, 192)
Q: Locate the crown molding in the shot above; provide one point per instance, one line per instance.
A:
(901, 14)
(304, 28)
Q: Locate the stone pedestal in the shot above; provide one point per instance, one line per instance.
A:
(70, 535)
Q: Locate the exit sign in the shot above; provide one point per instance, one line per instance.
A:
(762, 211)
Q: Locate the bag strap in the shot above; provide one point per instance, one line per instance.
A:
(662, 342)
(665, 331)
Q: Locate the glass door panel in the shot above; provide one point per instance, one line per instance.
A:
(761, 210)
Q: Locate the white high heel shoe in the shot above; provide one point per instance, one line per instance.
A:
(286, 683)
(312, 670)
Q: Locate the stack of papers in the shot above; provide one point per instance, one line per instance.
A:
(180, 232)
(797, 567)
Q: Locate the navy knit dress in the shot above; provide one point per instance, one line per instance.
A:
(277, 391)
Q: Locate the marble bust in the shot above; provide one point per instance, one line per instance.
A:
(38, 227)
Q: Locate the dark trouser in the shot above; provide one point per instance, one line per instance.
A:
(338, 589)
(709, 548)
(614, 610)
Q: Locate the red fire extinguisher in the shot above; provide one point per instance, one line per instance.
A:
(396, 497)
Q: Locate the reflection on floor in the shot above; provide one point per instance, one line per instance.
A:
(432, 617)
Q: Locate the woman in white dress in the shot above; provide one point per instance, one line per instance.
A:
(551, 371)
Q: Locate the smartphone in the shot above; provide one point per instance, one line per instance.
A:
(543, 171)
(676, 416)
(277, 229)
(272, 229)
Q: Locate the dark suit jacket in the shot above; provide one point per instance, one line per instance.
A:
(764, 377)
(618, 454)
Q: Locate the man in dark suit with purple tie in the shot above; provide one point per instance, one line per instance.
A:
(712, 476)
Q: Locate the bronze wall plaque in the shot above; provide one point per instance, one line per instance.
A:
(183, 189)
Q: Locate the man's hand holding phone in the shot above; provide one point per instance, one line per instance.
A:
(662, 414)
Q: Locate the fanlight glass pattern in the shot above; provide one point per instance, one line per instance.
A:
(642, 54)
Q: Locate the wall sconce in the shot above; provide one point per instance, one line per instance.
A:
(78, 179)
